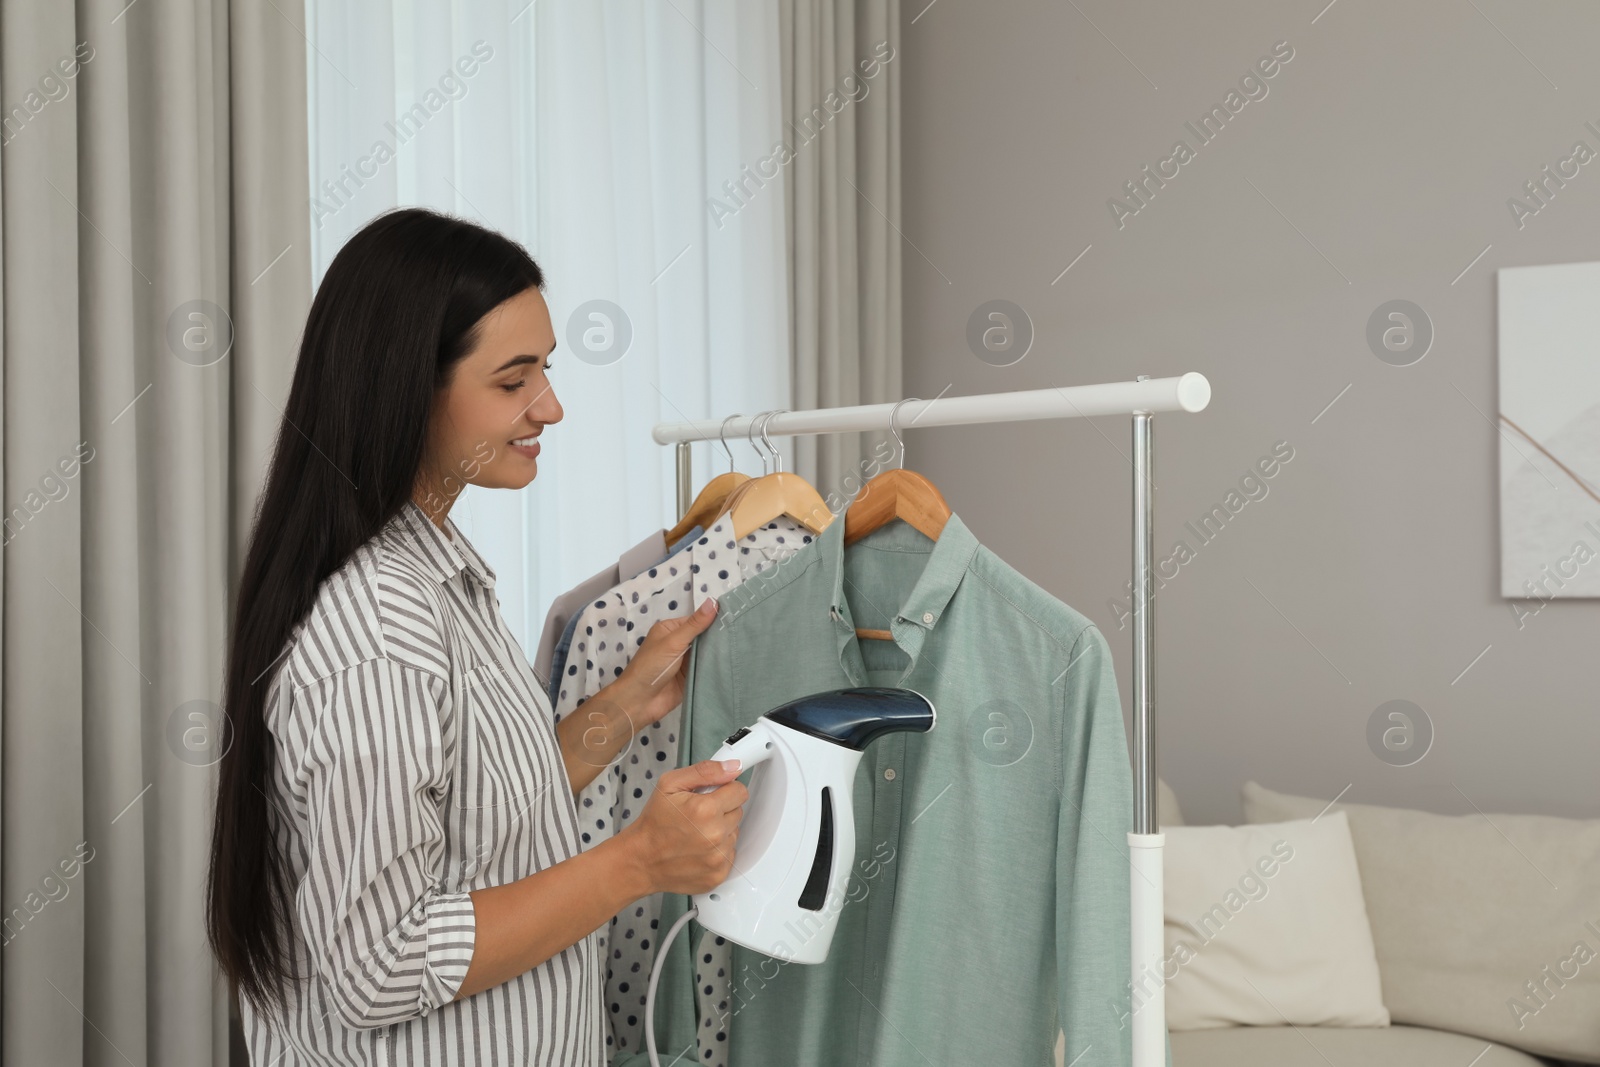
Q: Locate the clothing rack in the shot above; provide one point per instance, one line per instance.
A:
(1142, 399)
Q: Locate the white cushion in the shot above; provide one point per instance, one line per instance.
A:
(1266, 926)
(1485, 924)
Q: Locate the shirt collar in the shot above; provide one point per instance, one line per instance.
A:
(441, 555)
(947, 564)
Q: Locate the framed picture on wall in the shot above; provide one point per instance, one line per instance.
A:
(1549, 340)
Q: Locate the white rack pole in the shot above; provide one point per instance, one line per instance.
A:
(1186, 392)
(1146, 909)
(1142, 399)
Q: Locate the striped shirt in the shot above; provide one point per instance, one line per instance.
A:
(416, 760)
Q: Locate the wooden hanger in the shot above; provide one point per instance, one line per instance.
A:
(713, 499)
(895, 494)
(738, 493)
(766, 498)
(712, 502)
(760, 500)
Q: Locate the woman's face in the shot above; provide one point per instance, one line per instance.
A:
(486, 422)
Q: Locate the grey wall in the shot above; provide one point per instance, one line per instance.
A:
(1377, 167)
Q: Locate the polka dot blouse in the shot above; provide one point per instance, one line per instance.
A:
(609, 631)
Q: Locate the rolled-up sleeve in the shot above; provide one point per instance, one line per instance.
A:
(384, 935)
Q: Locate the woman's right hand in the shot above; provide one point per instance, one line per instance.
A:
(684, 841)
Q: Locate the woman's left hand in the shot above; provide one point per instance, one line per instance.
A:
(650, 685)
(653, 681)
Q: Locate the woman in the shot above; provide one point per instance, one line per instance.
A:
(396, 875)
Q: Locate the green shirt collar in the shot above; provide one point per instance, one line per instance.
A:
(947, 564)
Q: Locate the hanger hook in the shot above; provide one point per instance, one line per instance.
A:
(777, 457)
(749, 436)
(722, 435)
(895, 429)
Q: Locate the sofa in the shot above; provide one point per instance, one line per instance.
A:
(1479, 923)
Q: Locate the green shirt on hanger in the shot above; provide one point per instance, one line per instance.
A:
(988, 906)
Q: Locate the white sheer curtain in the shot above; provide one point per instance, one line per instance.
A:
(601, 136)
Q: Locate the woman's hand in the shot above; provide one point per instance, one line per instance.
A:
(650, 685)
(684, 841)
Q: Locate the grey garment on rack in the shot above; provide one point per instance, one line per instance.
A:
(564, 607)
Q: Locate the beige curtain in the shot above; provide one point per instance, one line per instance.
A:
(154, 277)
(841, 99)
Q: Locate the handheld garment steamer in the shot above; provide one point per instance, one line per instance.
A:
(797, 838)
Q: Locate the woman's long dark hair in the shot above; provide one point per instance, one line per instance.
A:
(399, 307)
